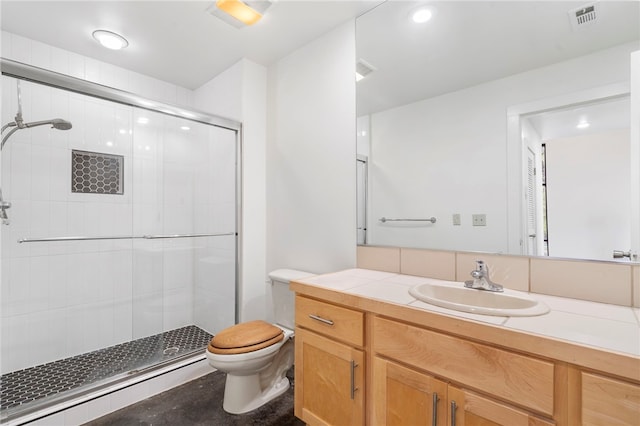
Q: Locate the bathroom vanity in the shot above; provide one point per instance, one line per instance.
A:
(368, 353)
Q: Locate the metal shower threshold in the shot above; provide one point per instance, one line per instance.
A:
(35, 388)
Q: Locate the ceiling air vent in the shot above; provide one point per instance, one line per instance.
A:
(363, 69)
(583, 16)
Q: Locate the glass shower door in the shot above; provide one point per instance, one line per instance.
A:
(120, 249)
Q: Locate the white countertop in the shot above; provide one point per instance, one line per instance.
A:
(610, 327)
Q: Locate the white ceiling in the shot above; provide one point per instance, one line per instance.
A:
(471, 42)
(604, 116)
(176, 41)
(466, 43)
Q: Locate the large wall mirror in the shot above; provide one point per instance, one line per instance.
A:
(500, 127)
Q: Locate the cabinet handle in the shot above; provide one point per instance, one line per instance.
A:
(434, 412)
(353, 379)
(453, 413)
(323, 320)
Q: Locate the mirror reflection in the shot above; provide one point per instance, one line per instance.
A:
(508, 122)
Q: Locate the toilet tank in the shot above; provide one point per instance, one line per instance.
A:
(282, 298)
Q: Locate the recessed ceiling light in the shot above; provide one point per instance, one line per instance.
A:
(422, 15)
(583, 125)
(185, 127)
(110, 40)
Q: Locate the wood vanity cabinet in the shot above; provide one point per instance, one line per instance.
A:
(403, 396)
(608, 401)
(330, 364)
(415, 375)
(471, 409)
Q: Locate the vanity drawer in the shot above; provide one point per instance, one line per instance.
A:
(513, 377)
(334, 321)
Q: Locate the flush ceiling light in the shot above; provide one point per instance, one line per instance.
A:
(583, 125)
(110, 40)
(422, 15)
(239, 13)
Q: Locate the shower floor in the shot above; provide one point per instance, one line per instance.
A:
(32, 384)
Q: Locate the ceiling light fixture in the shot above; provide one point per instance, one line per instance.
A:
(583, 125)
(239, 13)
(422, 15)
(110, 40)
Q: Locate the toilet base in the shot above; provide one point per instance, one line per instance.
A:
(243, 394)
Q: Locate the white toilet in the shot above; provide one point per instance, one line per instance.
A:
(256, 355)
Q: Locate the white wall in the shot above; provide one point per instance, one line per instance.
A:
(311, 216)
(578, 170)
(42, 55)
(448, 154)
(240, 93)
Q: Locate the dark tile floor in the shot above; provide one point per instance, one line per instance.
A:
(199, 403)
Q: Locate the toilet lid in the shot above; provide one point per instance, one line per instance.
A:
(245, 337)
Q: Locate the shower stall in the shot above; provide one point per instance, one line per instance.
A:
(119, 236)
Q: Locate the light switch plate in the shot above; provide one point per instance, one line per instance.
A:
(456, 219)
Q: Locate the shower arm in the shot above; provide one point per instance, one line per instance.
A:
(7, 136)
(11, 124)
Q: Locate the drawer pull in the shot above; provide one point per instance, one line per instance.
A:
(323, 320)
(353, 379)
(453, 413)
(434, 411)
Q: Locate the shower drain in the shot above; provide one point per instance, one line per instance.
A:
(171, 351)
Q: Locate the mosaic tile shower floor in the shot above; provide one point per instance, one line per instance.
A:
(22, 387)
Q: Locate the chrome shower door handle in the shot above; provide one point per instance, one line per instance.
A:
(4, 205)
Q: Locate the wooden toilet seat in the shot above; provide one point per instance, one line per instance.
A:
(246, 337)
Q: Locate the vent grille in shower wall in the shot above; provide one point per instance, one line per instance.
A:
(96, 173)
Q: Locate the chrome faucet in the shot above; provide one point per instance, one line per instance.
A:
(481, 279)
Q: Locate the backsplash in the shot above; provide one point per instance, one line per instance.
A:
(605, 282)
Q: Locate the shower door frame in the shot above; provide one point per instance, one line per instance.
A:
(45, 77)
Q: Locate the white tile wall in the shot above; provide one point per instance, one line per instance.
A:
(22, 49)
(61, 299)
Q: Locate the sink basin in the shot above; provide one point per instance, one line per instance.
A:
(459, 298)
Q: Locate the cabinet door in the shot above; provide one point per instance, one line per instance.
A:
(329, 388)
(609, 402)
(470, 409)
(403, 396)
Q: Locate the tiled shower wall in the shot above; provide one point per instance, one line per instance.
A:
(63, 298)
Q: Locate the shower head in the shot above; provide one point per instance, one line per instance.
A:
(60, 124)
(56, 123)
